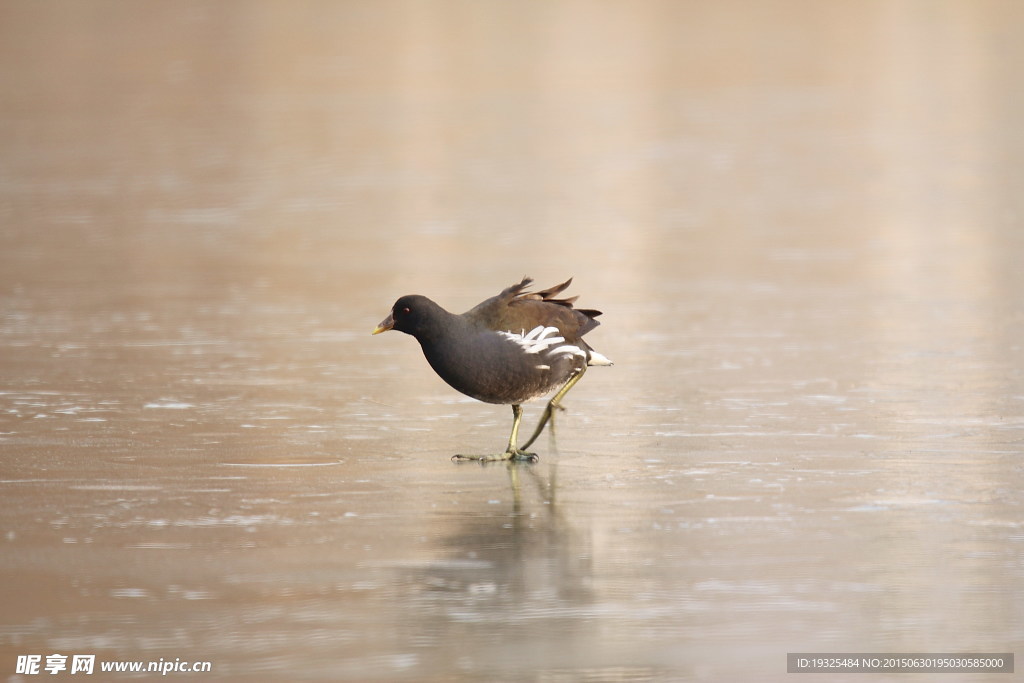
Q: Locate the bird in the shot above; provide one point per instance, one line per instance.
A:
(509, 349)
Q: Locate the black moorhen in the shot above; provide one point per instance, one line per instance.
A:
(511, 348)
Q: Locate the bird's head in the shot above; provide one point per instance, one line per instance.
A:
(411, 314)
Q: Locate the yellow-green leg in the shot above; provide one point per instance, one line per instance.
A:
(511, 452)
(553, 404)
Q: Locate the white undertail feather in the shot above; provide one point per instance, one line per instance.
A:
(598, 359)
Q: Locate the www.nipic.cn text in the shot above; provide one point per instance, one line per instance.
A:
(86, 664)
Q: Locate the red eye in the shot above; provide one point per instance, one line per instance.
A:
(406, 310)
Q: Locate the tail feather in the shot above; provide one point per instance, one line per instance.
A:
(548, 295)
(518, 292)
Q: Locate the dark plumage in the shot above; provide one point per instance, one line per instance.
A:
(511, 348)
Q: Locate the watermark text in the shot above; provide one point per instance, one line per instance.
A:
(57, 663)
(899, 662)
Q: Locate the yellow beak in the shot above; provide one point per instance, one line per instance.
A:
(385, 325)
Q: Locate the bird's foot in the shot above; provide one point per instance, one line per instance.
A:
(517, 455)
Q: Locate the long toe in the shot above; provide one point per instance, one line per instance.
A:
(524, 456)
(516, 455)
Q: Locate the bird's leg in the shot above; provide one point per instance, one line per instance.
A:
(554, 404)
(512, 452)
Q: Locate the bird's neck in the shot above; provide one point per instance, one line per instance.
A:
(440, 326)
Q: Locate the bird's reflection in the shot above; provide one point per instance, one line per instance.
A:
(509, 563)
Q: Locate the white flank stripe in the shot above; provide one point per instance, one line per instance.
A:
(548, 341)
(536, 340)
(568, 348)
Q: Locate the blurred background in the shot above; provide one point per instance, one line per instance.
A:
(803, 222)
